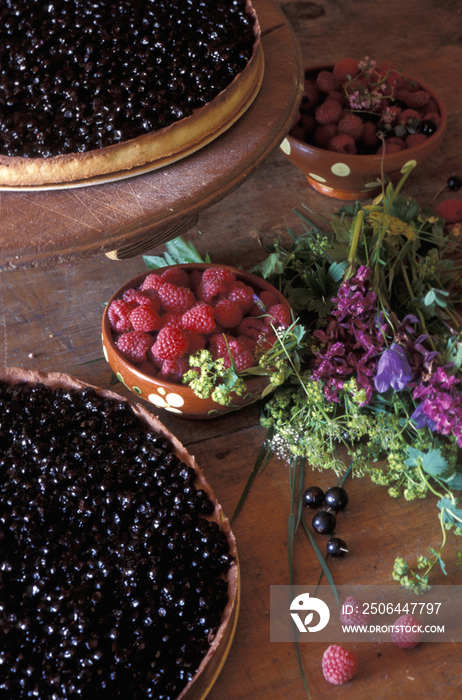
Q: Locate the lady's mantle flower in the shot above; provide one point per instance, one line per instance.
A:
(393, 370)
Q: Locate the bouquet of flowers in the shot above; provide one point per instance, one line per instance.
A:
(378, 389)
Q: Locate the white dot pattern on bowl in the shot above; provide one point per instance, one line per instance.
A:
(285, 147)
(171, 402)
(317, 177)
(341, 169)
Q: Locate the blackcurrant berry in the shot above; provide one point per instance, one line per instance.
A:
(336, 547)
(324, 522)
(428, 127)
(454, 183)
(313, 497)
(336, 498)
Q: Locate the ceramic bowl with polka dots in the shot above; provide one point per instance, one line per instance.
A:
(355, 177)
(179, 398)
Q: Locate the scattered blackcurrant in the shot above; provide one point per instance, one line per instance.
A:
(336, 498)
(454, 183)
(324, 522)
(313, 497)
(336, 547)
(428, 127)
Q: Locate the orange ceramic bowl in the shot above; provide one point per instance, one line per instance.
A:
(353, 177)
(178, 398)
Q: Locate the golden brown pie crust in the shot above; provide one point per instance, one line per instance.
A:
(212, 662)
(158, 148)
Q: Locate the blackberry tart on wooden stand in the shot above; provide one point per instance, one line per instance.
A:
(99, 88)
(119, 574)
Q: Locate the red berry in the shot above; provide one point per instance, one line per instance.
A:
(134, 345)
(415, 140)
(414, 100)
(118, 314)
(254, 328)
(196, 342)
(324, 134)
(345, 69)
(352, 125)
(329, 112)
(152, 281)
(199, 319)
(327, 81)
(172, 319)
(351, 612)
(218, 273)
(145, 318)
(369, 136)
(450, 210)
(177, 299)
(170, 343)
(242, 295)
(310, 97)
(408, 114)
(406, 632)
(227, 313)
(338, 664)
(176, 275)
(342, 144)
(173, 370)
(280, 315)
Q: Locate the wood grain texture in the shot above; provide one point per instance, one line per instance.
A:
(50, 320)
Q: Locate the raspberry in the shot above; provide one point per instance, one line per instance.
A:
(351, 612)
(152, 281)
(414, 100)
(118, 314)
(212, 291)
(171, 319)
(407, 114)
(148, 297)
(218, 273)
(134, 345)
(406, 633)
(170, 344)
(177, 299)
(388, 148)
(342, 144)
(196, 342)
(268, 299)
(369, 136)
(173, 370)
(195, 278)
(352, 125)
(144, 318)
(434, 117)
(345, 68)
(310, 97)
(327, 81)
(415, 140)
(218, 345)
(308, 123)
(241, 353)
(338, 96)
(176, 275)
(242, 295)
(227, 313)
(329, 112)
(253, 328)
(324, 134)
(199, 319)
(338, 664)
(280, 315)
(450, 210)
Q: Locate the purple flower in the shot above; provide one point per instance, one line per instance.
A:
(421, 420)
(393, 370)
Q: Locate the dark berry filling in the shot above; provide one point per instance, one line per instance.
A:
(111, 575)
(79, 75)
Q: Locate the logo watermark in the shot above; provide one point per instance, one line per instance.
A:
(364, 613)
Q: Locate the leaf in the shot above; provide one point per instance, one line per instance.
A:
(272, 265)
(179, 252)
(455, 481)
(450, 513)
(432, 462)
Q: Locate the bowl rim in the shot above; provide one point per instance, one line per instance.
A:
(391, 158)
(170, 386)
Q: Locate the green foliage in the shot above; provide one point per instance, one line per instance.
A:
(179, 252)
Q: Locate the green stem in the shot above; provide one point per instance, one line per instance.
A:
(354, 244)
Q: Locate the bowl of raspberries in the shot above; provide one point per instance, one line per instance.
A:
(155, 323)
(358, 122)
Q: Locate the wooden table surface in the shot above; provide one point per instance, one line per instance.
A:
(50, 320)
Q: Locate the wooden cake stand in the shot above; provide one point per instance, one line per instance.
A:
(124, 217)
